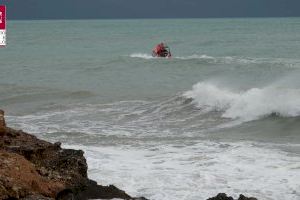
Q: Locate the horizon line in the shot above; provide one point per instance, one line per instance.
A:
(150, 18)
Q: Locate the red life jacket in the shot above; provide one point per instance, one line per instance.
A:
(159, 48)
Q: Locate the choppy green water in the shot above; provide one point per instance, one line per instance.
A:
(222, 115)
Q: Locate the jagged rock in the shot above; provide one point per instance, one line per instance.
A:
(66, 194)
(50, 160)
(18, 178)
(95, 191)
(45, 169)
(242, 197)
(223, 196)
(2, 120)
(2, 123)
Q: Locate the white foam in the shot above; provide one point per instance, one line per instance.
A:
(163, 168)
(246, 105)
(141, 55)
(162, 171)
(195, 56)
(93, 119)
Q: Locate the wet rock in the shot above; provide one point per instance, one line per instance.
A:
(139, 198)
(45, 170)
(94, 191)
(223, 196)
(2, 120)
(242, 197)
(66, 194)
(2, 123)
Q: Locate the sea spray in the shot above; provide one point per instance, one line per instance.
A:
(247, 105)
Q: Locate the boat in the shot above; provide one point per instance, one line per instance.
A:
(161, 50)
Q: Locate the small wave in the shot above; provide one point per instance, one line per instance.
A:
(141, 55)
(81, 94)
(247, 105)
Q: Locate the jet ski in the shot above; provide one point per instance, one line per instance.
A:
(161, 50)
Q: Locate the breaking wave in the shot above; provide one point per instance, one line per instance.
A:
(246, 105)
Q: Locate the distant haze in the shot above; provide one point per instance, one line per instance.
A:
(85, 9)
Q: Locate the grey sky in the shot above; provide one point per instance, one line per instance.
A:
(82, 9)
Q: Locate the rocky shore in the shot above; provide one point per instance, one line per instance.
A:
(33, 169)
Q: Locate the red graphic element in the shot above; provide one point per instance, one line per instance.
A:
(2, 17)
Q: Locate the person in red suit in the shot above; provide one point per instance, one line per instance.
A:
(161, 51)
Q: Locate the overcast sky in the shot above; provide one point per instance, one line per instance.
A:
(83, 9)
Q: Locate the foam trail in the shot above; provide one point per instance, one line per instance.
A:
(141, 55)
(291, 63)
(242, 60)
(246, 105)
(195, 56)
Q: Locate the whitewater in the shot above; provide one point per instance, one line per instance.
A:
(221, 115)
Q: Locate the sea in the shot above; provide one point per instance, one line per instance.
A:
(221, 115)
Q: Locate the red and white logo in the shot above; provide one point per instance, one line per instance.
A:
(2, 25)
(2, 17)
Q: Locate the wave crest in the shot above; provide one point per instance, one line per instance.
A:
(246, 105)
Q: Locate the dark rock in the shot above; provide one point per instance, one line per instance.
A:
(57, 144)
(221, 196)
(242, 197)
(2, 120)
(2, 123)
(94, 191)
(66, 194)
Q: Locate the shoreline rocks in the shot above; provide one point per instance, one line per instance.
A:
(223, 196)
(31, 168)
(34, 169)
